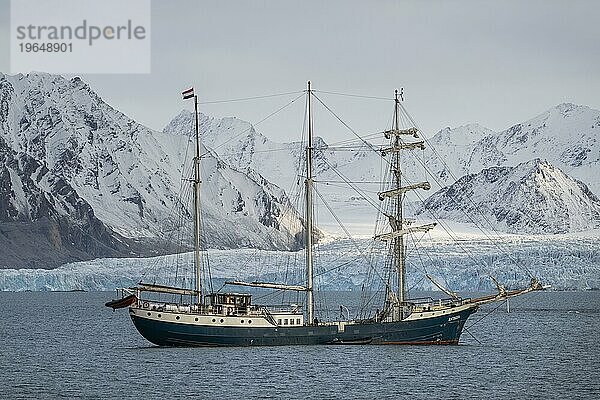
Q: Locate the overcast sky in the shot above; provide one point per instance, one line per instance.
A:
(491, 62)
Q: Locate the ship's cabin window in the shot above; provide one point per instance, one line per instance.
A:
(279, 321)
(285, 321)
(297, 321)
(236, 299)
(292, 321)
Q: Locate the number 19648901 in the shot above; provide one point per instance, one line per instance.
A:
(46, 47)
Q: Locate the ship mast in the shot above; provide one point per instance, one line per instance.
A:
(399, 241)
(396, 195)
(197, 182)
(308, 183)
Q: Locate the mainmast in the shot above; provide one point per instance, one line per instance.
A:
(308, 216)
(396, 193)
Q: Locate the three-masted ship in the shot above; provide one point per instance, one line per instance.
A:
(231, 319)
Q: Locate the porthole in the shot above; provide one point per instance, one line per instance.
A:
(196, 319)
(221, 319)
(214, 320)
(242, 321)
(249, 321)
(177, 317)
(149, 314)
(158, 315)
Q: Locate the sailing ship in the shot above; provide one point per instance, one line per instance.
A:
(219, 318)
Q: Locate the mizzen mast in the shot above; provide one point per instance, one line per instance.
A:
(308, 183)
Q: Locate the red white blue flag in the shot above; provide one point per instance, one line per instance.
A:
(188, 94)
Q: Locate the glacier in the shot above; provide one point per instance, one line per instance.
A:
(566, 262)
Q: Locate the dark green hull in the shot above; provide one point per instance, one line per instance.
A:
(442, 329)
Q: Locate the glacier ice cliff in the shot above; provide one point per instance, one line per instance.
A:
(566, 263)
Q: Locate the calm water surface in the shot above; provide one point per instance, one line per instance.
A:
(69, 345)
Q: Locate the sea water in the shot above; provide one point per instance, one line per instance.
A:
(68, 345)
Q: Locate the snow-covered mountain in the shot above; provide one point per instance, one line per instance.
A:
(240, 145)
(532, 197)
(567, 136)
(71, 159)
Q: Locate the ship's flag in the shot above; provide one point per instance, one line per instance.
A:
(188, 94)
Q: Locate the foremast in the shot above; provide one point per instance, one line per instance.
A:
(398, 241)
(308, 186)
(399, 227)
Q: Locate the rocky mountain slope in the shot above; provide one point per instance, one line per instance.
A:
(70, 162)
(43, 220)
(532, 197)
